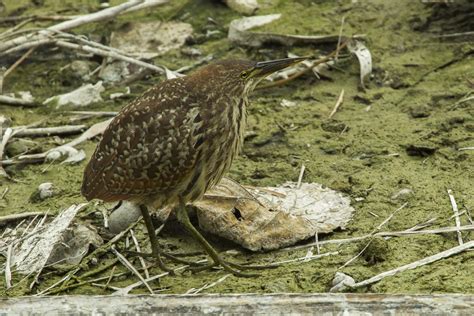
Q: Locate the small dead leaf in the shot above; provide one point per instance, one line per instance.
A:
(82, 96)
(365, 58)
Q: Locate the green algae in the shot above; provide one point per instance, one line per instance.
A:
(361, 151)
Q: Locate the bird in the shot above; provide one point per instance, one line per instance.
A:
(175, 141)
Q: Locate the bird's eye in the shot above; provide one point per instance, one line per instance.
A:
(244, 75)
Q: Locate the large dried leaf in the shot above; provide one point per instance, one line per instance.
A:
(272, 217)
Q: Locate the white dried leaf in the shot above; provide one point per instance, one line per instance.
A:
(82, 96)
(33, 252)
(238, 29)
(170, 74)
(243, 6)
(341, 282)
(45, 190)
(79, 156)
(365, 58)
(287, 103)
(60, 153)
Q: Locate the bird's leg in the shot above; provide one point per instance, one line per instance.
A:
(155, 247)
(183, 217)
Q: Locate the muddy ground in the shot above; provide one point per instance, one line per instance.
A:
(403, 132)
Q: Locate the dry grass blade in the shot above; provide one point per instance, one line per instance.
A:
(456, 215)
(137, 247)
(208, 286)
(338, 104)
(416, 264)
(130, 266)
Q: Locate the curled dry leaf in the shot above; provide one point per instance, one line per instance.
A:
(82, 96)
(272, 217)
(365, 58)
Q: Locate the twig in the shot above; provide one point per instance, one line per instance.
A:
(466, 148)
(18, 62)
(301, 259)
(456, 214)
(455, 34)
(338, 103)
(45, 291)
(93, 131)
(416, 264)
(15, 217)
(3, 144)
(208, 286)
(300, 177)
(15, 101)
(4, 193)
(81, 20)
(127, 289)
(18, 26)
(372, 234)
(137, 247)
(93, 113)
(49, 131)
(383, 234)
(110, 54)
(8, 272)
(110, 277)
(130, 266)
(340, 36)
(469, 217)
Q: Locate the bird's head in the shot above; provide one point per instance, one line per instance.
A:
(240, 77)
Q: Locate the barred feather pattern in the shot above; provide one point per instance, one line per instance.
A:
(176, 140)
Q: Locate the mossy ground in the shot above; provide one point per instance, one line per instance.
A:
(413, 71)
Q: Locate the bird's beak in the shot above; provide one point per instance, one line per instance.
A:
(265, 68)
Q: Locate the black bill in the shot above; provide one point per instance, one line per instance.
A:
(269, 67)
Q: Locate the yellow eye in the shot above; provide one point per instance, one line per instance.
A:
(244, 75)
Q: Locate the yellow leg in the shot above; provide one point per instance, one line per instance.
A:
(155, 247)
(182, 216)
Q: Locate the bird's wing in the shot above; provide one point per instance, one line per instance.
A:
(150, 147)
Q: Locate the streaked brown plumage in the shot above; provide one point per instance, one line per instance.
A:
(175, 141)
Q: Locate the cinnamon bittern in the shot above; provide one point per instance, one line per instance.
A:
(174, 142)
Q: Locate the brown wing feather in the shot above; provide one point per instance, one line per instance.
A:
(148, 148)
